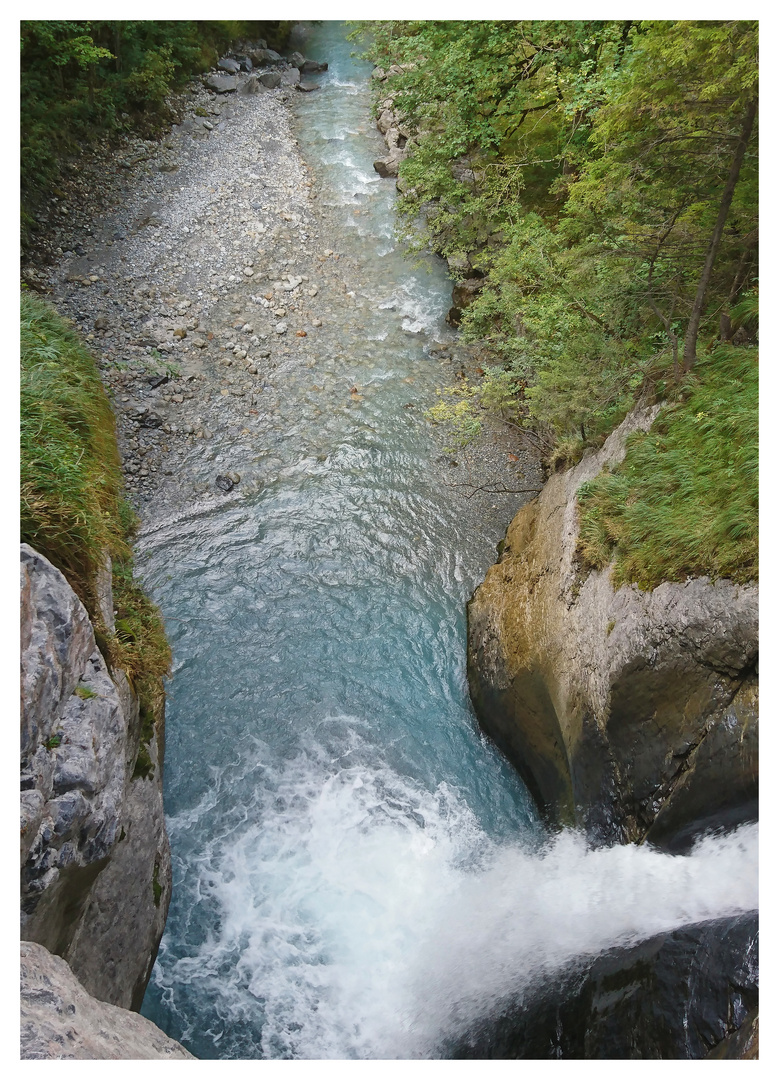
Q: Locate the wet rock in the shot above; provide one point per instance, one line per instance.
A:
(225, 482)
(678, 995)
(312, 67)
(306, 86)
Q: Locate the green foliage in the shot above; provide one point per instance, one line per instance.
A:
(457, 415)
(85, 692)
(71, 481)
(684, 502)
(73, 510)
(156, 885)
(580, 165)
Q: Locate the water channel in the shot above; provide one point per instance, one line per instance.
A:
(357, 871)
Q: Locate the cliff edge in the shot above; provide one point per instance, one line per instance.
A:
(95, 860)
(631, 714)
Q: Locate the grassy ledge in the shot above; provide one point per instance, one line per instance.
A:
(73, 509)
(684, 502)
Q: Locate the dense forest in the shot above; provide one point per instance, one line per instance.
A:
(594, 186)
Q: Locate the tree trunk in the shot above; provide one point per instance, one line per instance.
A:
(691, 337)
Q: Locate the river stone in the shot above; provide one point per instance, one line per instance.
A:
(290, 77)
(311, 67)
(306, 87)
(619, 707)
(61, 1021)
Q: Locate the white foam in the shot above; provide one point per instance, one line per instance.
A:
(359, 913)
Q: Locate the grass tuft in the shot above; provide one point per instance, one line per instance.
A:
(73, 509)
(684, 502)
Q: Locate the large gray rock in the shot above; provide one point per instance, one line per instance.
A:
(95, 860)
(290, 77)
(60, 1020)
(223, 84)
(228, 64)
(271, 79)
(625, 710)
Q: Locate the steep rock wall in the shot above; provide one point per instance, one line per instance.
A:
(95, 860)
(632, 714)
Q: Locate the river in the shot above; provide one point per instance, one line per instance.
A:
(358, 873)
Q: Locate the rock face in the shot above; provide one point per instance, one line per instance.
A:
(631, 714)
(687, 994)
(60, 1020)
(95, 860)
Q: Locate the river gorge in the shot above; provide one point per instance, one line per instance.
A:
(358, 871)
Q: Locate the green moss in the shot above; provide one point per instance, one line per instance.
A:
(84, 692)
(156, 885)
(684, 502)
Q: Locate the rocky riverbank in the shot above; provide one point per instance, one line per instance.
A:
(206, 282)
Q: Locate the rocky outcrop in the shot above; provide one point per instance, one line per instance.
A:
(60, 1020)
(95, 860)
(392, 124)
(630, 713)
(685, 994)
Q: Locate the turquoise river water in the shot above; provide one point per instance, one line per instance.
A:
(358, 873)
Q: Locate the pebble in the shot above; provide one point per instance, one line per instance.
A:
(280, 328)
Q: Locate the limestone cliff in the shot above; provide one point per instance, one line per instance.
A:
(95, 860)
(60, 1020)
(633, 714)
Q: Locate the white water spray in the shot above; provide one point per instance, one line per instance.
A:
(360, 916)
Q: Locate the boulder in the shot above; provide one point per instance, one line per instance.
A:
(389, 165)
(228, 64)
(305, 86)
(263, 57)
(252, 85)
(271, 79)
(93, 839)
(61, 1021)
(223, 84)
(690, 993)
(629, 713)
(311, 67)
(297, 60)
(290, 77)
